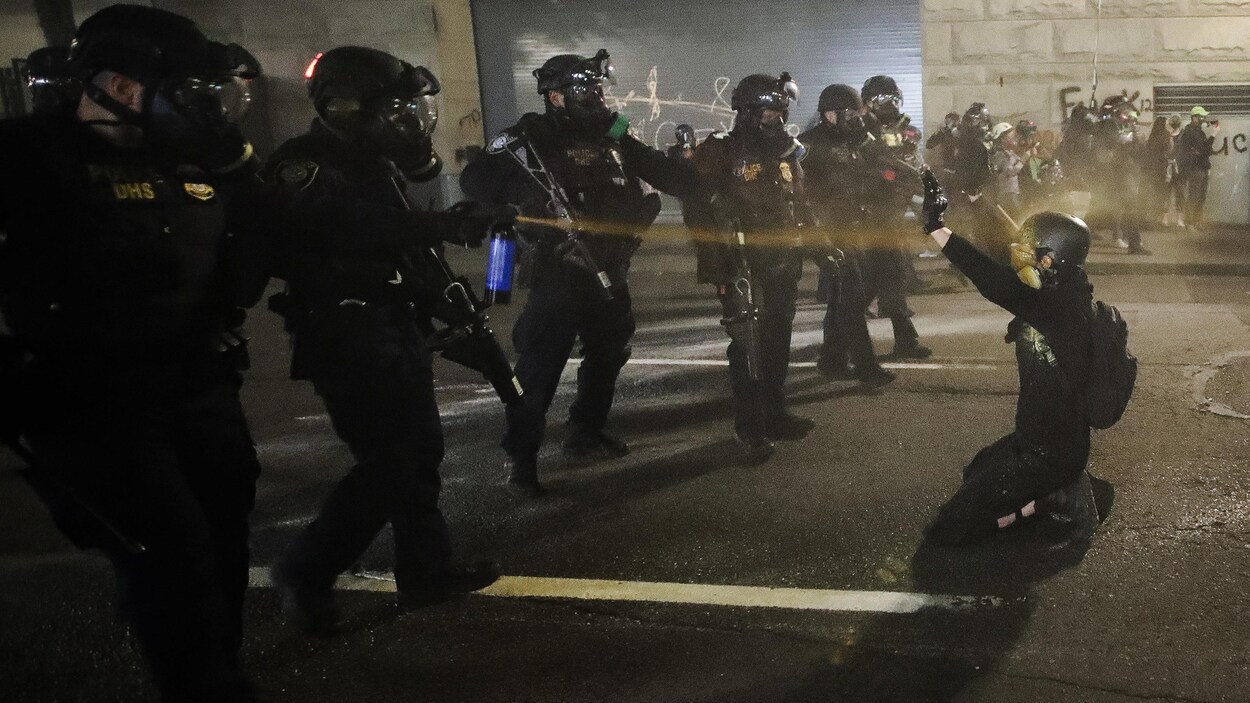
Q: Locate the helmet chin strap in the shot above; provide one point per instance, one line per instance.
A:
(125, 115)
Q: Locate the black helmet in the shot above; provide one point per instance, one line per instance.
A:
(559, 72)
(52, 82)
(879, 89)
(838, 97)
(685, 135)
(1064, 237)
(195, 87)
(580, 80)
(757, 93)
(371, 96)
(976, 120)
(762, 91)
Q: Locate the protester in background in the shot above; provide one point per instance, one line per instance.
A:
(1007, 165)
(1176, 180)
(1193, 159)
(1155, 164)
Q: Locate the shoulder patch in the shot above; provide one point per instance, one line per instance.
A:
(297, 173)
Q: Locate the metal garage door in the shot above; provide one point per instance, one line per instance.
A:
(1228, 194)
(678, 62)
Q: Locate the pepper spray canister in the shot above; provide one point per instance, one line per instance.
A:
(500, 259)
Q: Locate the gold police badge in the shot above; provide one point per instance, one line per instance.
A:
(199, 191)
(786, 174)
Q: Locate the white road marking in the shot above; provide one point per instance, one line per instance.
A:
(922, 366)
(685, 593)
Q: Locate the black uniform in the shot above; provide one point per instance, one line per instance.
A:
(602, 178)
(1049, 447)
(892, 181)
(758, 185)
(352, 264)
(836, 175)
(118, 277)
(1118, 183)
(968, 171)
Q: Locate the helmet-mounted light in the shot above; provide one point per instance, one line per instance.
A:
(596, 69)
(789, 87)
(312, 66)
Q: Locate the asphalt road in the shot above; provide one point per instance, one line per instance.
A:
(1157, 609)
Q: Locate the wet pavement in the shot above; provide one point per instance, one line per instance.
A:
(1156, 609)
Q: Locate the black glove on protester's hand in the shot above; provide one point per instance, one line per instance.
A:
(935, 203)
(472, 222)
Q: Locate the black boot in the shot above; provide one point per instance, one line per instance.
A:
(786, 425)
(448, 582)
(874, 377)
(523, 477)
(313, 605)
(594, 444)
(756, 448)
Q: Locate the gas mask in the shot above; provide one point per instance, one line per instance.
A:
(192, 115)
(195, 117)
(763, 106)
(887, 108)
(581, 84)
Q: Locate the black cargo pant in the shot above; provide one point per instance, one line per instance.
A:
(381, 403)
(776, 290)
(845, 329)
(1001, 479)
(173, 469)
(885, 279)
(561, 309)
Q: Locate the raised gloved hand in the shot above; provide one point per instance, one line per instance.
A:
(935, 203)
(472, 222)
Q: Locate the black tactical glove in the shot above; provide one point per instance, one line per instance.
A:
(935, 203)
(472, 222)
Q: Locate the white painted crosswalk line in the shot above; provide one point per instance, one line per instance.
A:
(687, 593)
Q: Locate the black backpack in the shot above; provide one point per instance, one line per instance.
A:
(1112, 369)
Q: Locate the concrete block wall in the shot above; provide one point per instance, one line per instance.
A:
(1033, 58)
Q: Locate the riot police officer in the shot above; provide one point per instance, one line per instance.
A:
(893, 155)
(123, 276)
(749, 245)
(968, 172)
(836, 174)
(1118, 186)
(577, 166)
(354, 261)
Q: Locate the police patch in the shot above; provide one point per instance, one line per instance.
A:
(199, 191)
(299, 174)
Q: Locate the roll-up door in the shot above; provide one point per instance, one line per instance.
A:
(1228, 190)
(678, 62)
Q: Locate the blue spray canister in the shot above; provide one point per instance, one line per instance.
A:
(501, 257)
